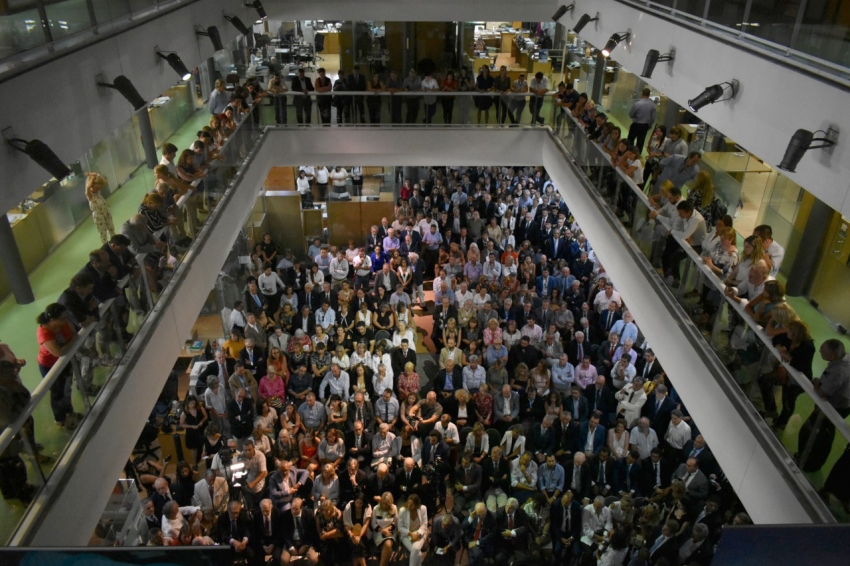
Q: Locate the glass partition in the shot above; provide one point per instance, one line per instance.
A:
(67, 17)
(19, 31)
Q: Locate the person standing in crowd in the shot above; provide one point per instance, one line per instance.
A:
(99, 209)
(539, 88)
(303, 103)
(642, 114)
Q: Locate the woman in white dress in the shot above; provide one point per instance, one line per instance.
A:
(384, 526)
(618, 439)
(413, 528)
(356, 518)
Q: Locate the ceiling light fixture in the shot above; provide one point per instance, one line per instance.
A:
(563, 10)
(654, 57)
(39, 152)
(212, 33)
(802, 141)
(614, 41)
(713, 94)
(583, 21)
(175, 63)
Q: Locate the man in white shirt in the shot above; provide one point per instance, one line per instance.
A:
(678, 432)
(600, 303)
(690, 226)
(596, 517)
(563, 376)
(464, 294)
(338, 382)
(773, 249)
(237, 317)
(322, 178)
(538, 87)
(448, 430)
(270, 285)
(338, 269)
(339, 176)
(643, 438)
(325, 316)
(429, 84)
(492, 269)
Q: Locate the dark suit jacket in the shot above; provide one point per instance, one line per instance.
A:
(446, 536)
(346, 487)
(241, 422)
(655, 370)
(668, 550)
(251, 305)
(379, 281)
(603, 401)
(705, 459)
(565, 439)
(442, 452)
(557, 519)
(295, 85)
(368, 416)
(298, 321)
(539, 441)
(605, 352)
(104, 286)
(331, 298)
(488, 531)
(308, 526)
(534, 411)
(473, 493)
(226, 532)
(212, 371)
(404, 488)
(583, 489)
(438, 317)
(703, 555)
(598, 437)
(259, 534)
(440, 379)
(583, 410)
(521, 526)
(315, 302)
(365, 447)
(604, 319)
(659, 419)
(258, 368)
(500, 474)
(610, 473)
(373, 490)
(517, 354)
(398, 359)
(622, 473)
(563, 249)
(699, 486)
(372, 241)
(647, 472)
(159, 501)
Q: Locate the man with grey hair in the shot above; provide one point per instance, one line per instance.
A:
(512, 533)
(596, 520)
(382, 444)
(473, 375)
(697, 549)
(211, 494)
(141, 239)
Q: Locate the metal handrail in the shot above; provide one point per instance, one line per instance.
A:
(801, 380)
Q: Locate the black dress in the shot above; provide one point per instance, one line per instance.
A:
(194, 436)
(484, 83)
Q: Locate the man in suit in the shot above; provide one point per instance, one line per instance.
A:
(254, 360)
(374, 239)
(254, 301)
(531, 407)
(435, 449)
(577, 476)
(380, 482)
(479, 532)
(545, 316)
(442, 313)
(608, 318)
(628, 474)
(523, 352)
(697, 448)
(505, 409)
(711, 518)
(602, 480)
(357, 83)
(328, 295)
(400, 357)
(240, 412)
(358, 444)
(305, 320)
(576, 404)
(303, 104)
(565, 527)
(450, 379)
(243, 379)
(698, 549)
(163, 493)
(300, 536)
(408, 481)
(222, 368)
(541, 438)
(591, 434)
(467, 483)
(695, 481)
(601, 398)
(285, 484)
(527, 229)
(545, 283)
(235, 529)
(555, 248)
(566, 434)
(665, 548)
(658, 409)
(268, 532)
(605, 353)
(578, 348)
(361, 410)
(445, 536)
(496, 479)
(648, 366)
(386, 278)
(512, 531)
(212, 494)
(655, 474)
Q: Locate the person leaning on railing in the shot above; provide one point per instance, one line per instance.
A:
(55, 339)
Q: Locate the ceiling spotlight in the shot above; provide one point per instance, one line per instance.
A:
(176, 63)
(123, 85)
(614, 42)
(38, 151)
(237, 23)
(212, 33)
(257, 5)
(801, 142)
(712, 94)
(653, 57)
(563, 10)
(583, 21)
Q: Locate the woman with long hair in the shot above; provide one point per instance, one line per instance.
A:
(385, 526)
(193, 419)
(356, 517)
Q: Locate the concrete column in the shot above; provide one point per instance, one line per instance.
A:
(598, 79)
(808, 254)
(13, 265)
(148, 143)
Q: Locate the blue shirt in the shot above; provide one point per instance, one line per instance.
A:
(550, 480)
(377, 261)
(625, 330)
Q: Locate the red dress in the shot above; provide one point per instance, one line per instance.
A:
(484, 406)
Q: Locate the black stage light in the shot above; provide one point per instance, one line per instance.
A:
(712, 94)
(614, 41)
(237, 23)
(801, 142)
(176, 63)
(257, 5)
(38, 151)
(212, 33)
(654, 57)
(123, 85)
(563, 10)
(583, 21)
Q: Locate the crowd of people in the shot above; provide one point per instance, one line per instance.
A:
(546, 429)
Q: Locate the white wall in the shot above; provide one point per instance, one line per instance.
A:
(413, 10)
(60, 104)
(773, 102)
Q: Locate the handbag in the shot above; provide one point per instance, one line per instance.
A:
(134, 321)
